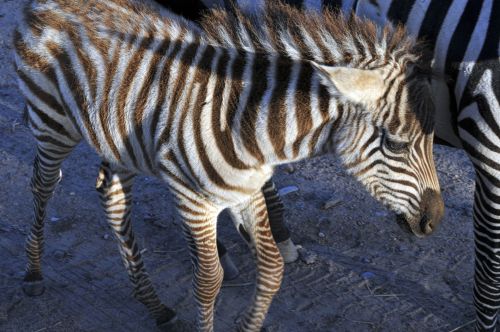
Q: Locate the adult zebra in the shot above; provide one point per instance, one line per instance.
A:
(143, 91)
(465, 36)
(465, 39)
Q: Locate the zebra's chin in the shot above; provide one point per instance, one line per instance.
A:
(404, 225)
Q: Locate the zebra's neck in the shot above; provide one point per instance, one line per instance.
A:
(283, 113)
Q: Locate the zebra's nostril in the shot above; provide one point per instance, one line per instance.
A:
(426, 224)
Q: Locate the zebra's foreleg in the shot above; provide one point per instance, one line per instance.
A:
(199, 226)
(46, 176)
(115, 189)
(251, 220)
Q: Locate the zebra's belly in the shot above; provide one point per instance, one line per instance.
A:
(219, 183)
(444, 122)
(118, 141)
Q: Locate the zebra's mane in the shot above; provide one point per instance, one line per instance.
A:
(326, 37)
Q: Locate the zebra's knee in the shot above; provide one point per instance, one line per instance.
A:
(279, 271)
(208, 281)
(45, 183)
(488, 272)
(271, 277)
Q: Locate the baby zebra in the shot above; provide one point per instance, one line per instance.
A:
(212, 116)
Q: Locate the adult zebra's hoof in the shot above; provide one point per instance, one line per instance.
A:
(33, 288)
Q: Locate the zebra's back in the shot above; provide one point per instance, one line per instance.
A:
(95, 70)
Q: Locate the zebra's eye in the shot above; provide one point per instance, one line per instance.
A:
(395, 146)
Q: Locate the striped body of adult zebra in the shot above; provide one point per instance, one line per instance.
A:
(464, 36)
(465, 40)
(152, 95)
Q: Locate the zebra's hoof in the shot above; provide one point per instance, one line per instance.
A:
(288, 251)
(166, 325)
(175, 325)
(33, 288)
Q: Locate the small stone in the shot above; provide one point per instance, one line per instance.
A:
(402, 248)
(321, 234)
(367, 275)
(332, 266)
(366, 260)
(287, 190)
(381, 213)
(55, 219)
(332, 202)
(59, 254)
(360, 222)
(289, 169)
(72, 193)
(307, 256)
(106, 236)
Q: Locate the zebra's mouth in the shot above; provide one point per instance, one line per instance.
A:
(406, 226)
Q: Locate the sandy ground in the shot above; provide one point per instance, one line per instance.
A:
(359, 271)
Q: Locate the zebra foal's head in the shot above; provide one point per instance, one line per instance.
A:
(378, 110)
(385, 135)
(385, 139)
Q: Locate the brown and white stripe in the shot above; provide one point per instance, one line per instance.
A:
(211, 114)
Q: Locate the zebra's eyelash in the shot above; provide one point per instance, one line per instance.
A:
(396, 147)
(392, 145)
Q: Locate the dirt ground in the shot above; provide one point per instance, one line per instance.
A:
(358, 270)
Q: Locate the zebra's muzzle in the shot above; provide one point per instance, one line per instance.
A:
(432, 207)
(419, 229)
(431, 213)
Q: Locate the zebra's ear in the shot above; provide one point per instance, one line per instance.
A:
(361, 86)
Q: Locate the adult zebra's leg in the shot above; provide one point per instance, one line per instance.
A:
(251, 220)
(281, 234)
(478, 130)
(199, 221)
(46, 176)
(487, 245)
(115, 189)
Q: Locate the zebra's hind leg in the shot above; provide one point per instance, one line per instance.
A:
(46, 176)
(115, 189)
(252, 222)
